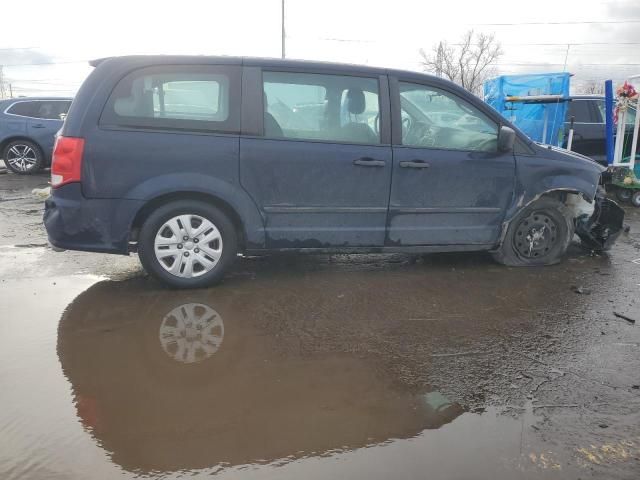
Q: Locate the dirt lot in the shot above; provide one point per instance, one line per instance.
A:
(376, 366)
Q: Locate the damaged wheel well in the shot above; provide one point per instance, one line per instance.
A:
(598, 222)
(157, 202)
(575, 202)
(572, 199)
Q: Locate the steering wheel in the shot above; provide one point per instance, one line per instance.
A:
(422, 134)
(376, 124)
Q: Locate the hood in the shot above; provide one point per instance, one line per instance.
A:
(564, 155)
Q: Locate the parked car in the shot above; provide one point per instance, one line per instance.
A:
(589, 137)
(27, 131)
(192, 160)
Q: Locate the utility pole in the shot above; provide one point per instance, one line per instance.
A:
(439, 60)
(2, 94)
(10, 91)
(283, 32)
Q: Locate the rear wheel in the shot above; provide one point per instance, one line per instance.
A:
(187, 244)
(635, 198)
(538, 235)
(23, 157)
(623, 194)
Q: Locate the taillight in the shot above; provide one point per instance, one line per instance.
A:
(66, 163)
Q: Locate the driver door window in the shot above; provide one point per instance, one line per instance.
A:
(433, 118)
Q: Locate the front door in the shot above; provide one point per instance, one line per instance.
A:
(450, 183)
(321, 171)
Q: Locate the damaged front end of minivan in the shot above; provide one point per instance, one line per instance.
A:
(577, 182)
(600, 230)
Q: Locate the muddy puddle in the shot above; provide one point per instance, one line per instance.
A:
(324, 374)
(374, 366)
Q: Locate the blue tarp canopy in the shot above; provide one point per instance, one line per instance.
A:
(508, 95)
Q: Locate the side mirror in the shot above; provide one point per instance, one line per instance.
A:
(506, 139)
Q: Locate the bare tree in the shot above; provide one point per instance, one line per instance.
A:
(592, 87)
(468, 63)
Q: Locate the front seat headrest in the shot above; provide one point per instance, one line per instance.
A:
(355, 101)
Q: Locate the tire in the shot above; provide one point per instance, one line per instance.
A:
(521, 248)
(160, 245)
(635, 198)
(23, 157)
(623, 194)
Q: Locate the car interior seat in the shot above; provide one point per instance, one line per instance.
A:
(271, 126)
(354, 130)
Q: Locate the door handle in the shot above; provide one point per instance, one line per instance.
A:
(37, 125)
(369, 162)
(414, 164)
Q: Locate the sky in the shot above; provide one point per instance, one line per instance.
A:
(50, 56)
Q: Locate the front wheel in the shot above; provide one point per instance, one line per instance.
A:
(538, 235)
(187, 244)
(635, 198)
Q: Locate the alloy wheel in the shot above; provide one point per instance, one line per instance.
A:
(21, 157)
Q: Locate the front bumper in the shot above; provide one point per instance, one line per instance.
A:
(600, 230)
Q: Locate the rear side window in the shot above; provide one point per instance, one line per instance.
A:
(580, 111)
(55, 110)
(309, 106)
(47, 109)
(192, 98)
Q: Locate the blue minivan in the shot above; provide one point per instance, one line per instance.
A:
(28, 128)
(192, 160)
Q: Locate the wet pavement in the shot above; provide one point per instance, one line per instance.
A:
(374, 366)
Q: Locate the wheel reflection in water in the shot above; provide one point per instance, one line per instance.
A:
(191, 332)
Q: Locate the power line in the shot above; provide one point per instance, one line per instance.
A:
(579, 22)
(18, 48)
(457, 44)
(559, 44)
(572, 64)
(44, 63)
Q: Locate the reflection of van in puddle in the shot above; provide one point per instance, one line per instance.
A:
(167, 381)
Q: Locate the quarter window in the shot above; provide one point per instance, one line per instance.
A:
(175, 98)
(24, 109)
(433, 118)
(304, 106)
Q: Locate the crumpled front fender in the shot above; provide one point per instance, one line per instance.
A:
(600, 230)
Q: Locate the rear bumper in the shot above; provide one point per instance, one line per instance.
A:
(74, 222)
(600, 230)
